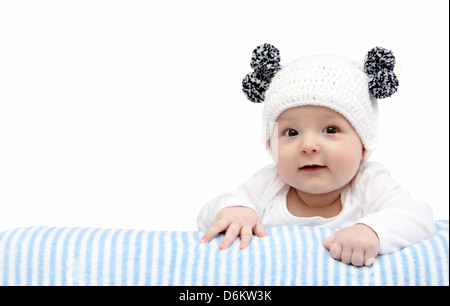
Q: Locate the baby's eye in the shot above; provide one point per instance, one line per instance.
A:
(290, 132)
(331, 130)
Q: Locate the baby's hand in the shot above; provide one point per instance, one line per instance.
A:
(236, 221)
(357, 244)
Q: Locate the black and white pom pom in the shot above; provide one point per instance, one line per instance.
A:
(265, 60)
(379, 65)
(383, 84)
(254, 86)
(379, 58)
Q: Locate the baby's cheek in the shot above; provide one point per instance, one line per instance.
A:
(348, 161)
(282, 163)
(285, 164)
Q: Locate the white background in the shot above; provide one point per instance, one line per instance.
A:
(129, 114)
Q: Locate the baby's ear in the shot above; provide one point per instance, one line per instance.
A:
(363, 153)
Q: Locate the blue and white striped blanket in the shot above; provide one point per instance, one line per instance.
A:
(288, 256)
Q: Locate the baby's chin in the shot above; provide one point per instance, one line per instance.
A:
(318, 190)
(314, 191)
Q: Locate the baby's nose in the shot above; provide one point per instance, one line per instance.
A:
(309, 150)
(309, 146)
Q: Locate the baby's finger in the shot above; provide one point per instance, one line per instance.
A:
(346, 255)
(217, 227)
(328, 242)
(259, 230)
(246, 237)
(230, 236)
(336, 250)
(357, 257)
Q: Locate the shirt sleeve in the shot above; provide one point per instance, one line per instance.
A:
(253, 193)
(397, 218)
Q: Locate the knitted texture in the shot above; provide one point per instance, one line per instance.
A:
(332, 81)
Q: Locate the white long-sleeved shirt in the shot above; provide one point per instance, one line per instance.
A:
(372, 198)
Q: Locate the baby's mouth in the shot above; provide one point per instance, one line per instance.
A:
(311, 168)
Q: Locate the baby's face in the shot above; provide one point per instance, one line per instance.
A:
(316, 149)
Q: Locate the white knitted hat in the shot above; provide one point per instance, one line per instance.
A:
(332, 81)
(324, 80)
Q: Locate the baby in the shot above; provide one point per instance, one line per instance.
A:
(319, 125)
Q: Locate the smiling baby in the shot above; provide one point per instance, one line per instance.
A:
(320, 127)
